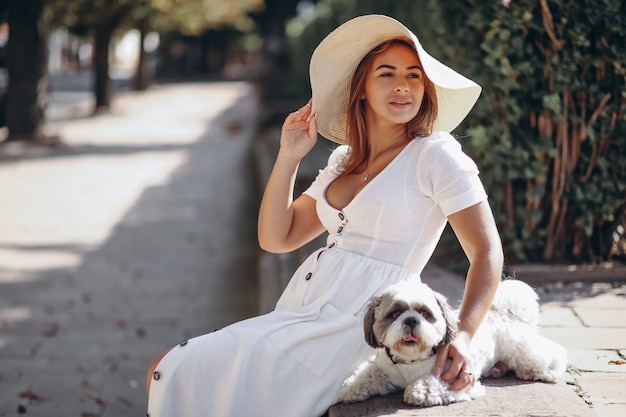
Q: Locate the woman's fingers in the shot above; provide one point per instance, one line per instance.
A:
(464, 381)
(442, 358)
(303, 112)
(456, 364)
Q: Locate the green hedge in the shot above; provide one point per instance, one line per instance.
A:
(549, 132)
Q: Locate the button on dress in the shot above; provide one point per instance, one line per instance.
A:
(292, 361)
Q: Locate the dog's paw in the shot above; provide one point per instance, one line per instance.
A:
(499, 370)
(356, 389)
(544, 376)
(352, 392)
(419, 396)
(347, 396)
(548, 367)
(431, 391)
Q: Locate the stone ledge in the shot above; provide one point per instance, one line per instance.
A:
(537, 274)
(506, 397)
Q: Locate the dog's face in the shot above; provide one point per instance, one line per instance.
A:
(410, 319)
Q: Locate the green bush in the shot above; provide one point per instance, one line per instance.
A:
(549, 132)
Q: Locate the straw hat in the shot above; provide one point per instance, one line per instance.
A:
(335, 61)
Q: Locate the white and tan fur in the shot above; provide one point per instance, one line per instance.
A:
(409, 321)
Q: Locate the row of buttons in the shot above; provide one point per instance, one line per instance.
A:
(331, 245)
(157, 375)
(340, 228)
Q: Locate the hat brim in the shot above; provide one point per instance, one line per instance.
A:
(337, 57)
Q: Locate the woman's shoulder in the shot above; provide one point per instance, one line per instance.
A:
(438, 139)
(338, 156)
(438, 144)
(441, 150)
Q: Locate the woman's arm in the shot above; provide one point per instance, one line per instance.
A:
(476, 231)
(284, 224)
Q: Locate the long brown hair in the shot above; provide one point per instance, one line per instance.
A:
(421, 125)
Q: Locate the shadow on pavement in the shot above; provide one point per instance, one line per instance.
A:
(78, 331)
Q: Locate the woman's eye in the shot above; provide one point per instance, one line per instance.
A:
(415, 76)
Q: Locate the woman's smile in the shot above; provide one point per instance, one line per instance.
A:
(401, 102)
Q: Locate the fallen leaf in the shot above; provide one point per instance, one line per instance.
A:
(617, 362)
(94, 396)
(51, 331)
(124, 401)
(31, 396)
(87, 414)
(236, 126)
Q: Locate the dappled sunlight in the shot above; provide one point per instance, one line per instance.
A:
(12, 315)
(112, 245)
(91, 203)
(19, 262)
(132, 120)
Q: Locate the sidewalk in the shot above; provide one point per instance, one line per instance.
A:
(136, 234)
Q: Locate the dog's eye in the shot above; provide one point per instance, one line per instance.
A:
(426, 314)
(394, 314)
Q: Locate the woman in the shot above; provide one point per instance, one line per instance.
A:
(384, 200)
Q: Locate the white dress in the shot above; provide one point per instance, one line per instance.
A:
(292, 361)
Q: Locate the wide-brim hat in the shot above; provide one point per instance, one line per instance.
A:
(337, 57)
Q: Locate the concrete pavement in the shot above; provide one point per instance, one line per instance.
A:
(136, 234)
(140, 232)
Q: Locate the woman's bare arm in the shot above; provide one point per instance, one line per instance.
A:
(284, 224)
(476, 231)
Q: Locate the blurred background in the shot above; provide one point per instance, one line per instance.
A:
(548, 133)
(129, 194)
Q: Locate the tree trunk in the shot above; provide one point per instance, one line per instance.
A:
(102, 82)
(27, 53)
(142, 73)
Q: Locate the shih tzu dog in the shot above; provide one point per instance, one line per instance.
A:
(409, 321)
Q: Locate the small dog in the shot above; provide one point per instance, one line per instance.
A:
(409, 321)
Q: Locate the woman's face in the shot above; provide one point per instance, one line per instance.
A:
(394, 87)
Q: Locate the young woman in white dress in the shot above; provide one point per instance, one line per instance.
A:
(384, 199)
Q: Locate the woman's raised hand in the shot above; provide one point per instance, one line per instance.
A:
(299, 132)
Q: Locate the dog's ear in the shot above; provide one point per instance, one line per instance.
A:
(452, 327)
(368, 323)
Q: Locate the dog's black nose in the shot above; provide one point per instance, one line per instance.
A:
(410, 322)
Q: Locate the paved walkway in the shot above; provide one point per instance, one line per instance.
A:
(140, 232)
(137, 234)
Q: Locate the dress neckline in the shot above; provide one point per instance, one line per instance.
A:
(368, 183)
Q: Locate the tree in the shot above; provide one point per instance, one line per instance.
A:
(102, 18)
(27, 54)
(550, 129)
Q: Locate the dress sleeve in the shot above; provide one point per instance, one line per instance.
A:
(448, 175)
(328, 174)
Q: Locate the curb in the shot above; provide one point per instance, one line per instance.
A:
(540, 274)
